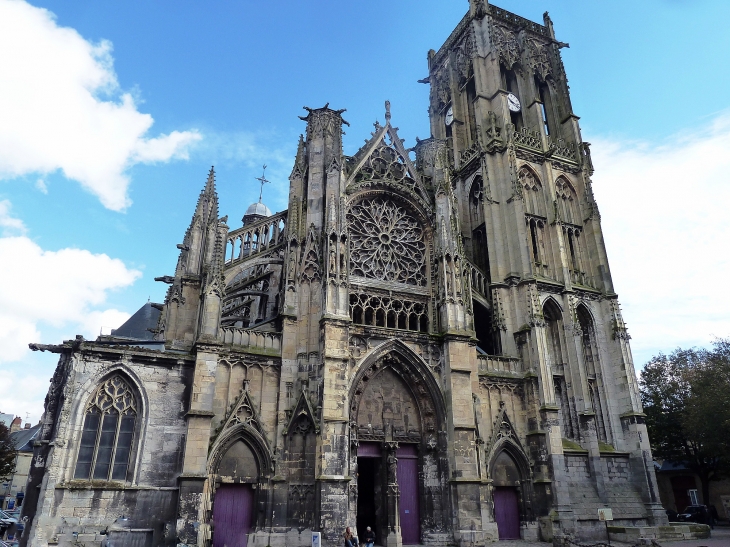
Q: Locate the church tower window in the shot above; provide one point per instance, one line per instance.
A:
(553, 326)
(590, 358)
(546, 106)
(535, 218)
(109, 425)
(509, 82)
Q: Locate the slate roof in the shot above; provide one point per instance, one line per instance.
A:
(22, 440)
(138, 326)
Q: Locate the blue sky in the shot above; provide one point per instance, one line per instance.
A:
(111, 114)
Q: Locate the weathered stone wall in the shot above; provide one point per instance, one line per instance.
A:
(148, 498)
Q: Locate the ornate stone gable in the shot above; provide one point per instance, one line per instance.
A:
(384, 163)
(502, 429)
(303, 409)
(242, 411)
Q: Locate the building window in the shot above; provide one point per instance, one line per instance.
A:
(553, 323)
(509, 82)
(546, 106)
(109, 425)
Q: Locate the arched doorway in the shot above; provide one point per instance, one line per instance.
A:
(233, 502)
(240, 466)
(507, 471)
(395, 425)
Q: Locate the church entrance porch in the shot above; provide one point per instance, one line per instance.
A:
(370, 491)
(374, 487)
(232, 515)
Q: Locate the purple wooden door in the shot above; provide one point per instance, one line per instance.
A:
(232, 515)
(507, 513)
(410, 516)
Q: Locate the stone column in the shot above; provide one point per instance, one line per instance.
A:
(394, 538)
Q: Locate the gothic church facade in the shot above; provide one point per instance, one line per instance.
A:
(426, 341)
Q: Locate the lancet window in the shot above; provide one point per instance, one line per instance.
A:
(566, 413)
(476, 201)
(553, 326)
(546, 106)
(590, 358)
(532, 190)
(386, 243)
(535, 219)
(509, 82)
(588, 339)
(480, 248)
(568, 207)
(110, 422)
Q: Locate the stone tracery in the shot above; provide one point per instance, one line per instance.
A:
(114, 394)
(387, 243)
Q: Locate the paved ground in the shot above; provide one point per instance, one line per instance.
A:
(720, 538)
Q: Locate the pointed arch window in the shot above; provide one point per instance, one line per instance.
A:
(110, 422)
(532, 190)
(590, 358)
(567, 199)
(476, 201)
(535, 218)
(553, 324)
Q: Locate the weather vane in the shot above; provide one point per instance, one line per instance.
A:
(262, 180)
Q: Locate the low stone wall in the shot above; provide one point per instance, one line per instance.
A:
(673, 532)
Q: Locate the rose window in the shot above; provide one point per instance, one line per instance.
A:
(386, 243)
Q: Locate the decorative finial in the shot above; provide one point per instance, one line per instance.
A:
(262, 180)
(387, 111)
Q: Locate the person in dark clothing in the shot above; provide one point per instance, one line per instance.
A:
(369, 538)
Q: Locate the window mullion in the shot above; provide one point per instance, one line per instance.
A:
(114, 446)
(96, 444)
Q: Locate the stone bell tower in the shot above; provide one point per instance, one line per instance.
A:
(539, 270)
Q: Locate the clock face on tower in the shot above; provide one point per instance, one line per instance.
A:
(513, 103)
(449, 118)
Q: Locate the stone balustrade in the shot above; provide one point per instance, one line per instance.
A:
(255, 341)
(479, 283)
(259, 236)
(496, 363)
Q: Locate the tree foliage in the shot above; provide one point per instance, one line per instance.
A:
(7, 453)
(686, 398)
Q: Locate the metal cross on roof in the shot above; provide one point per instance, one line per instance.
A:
(262, 180)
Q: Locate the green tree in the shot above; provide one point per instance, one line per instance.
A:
(686, 398)
(7, 454)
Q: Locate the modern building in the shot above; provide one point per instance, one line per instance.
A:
(427, 341)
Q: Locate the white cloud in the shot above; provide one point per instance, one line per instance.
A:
(57, 288)
(23, 391)
(41, 185)
(101, 322)
(665, 220)
(62, 108)
(9, 225)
